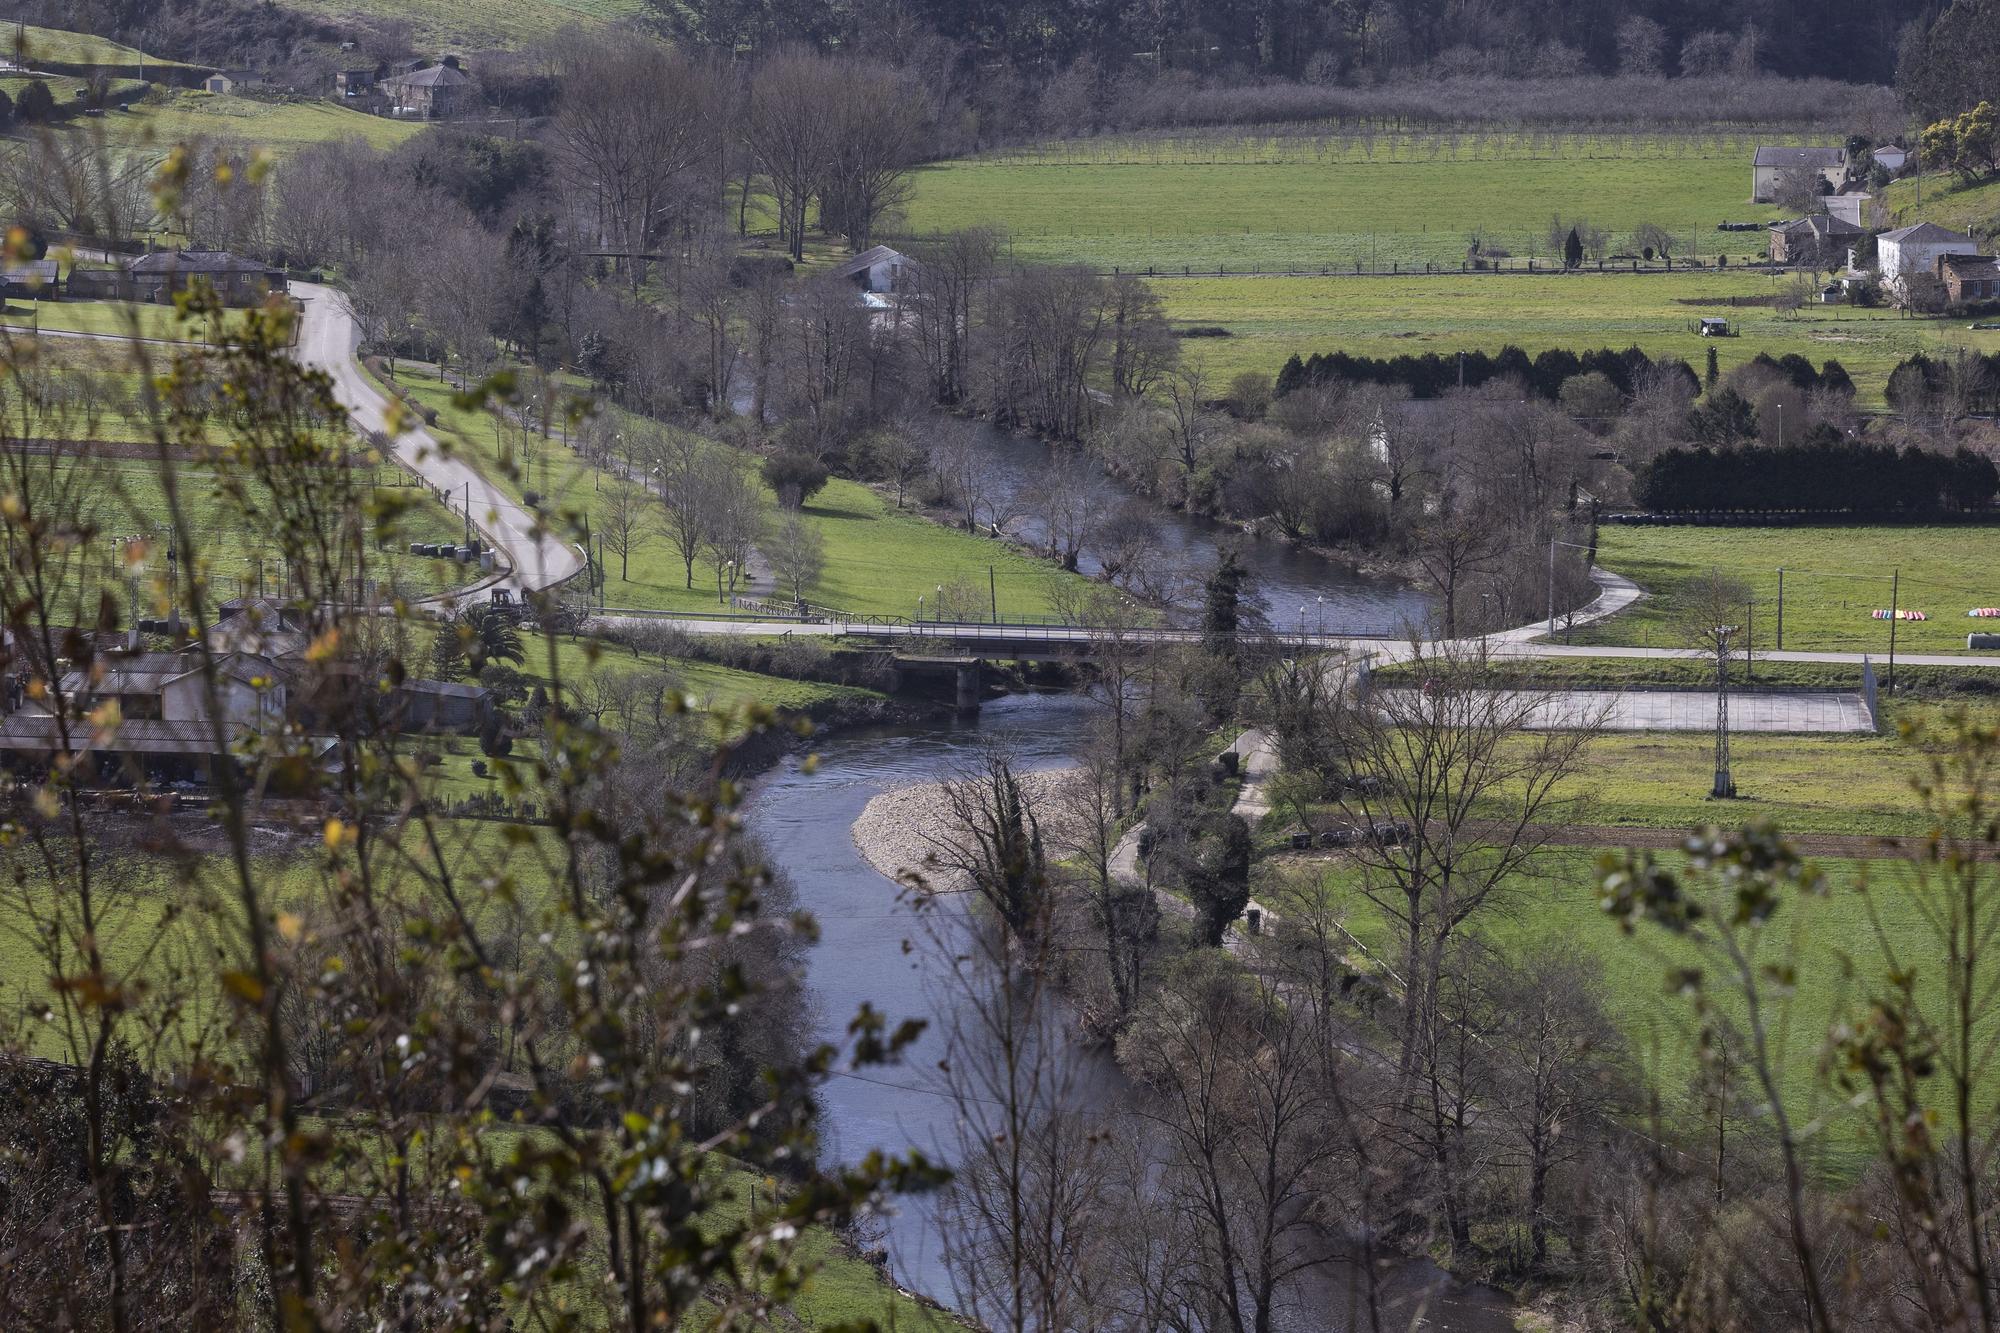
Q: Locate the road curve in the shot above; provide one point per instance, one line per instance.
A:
(329, 338)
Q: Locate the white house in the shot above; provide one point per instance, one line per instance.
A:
(1772, 162)
(877, 270)
(1891, 158)
(1916, 249)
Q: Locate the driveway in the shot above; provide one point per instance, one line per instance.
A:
(329, 338)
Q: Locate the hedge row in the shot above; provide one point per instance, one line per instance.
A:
(1844, 477)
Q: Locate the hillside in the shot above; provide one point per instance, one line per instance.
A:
(472, 25)
(53, 46)
(1950, 202)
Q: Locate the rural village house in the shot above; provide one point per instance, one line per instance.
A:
(1969, 279)
(156, 277)
(435, 92)
(1916, 249)
(1767, 170)
(1820, 240)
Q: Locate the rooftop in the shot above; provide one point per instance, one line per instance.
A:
(432, 76)
(1928, 233)
(196, 261)
(1777, 156)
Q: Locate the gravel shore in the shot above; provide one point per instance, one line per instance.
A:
(896, 830)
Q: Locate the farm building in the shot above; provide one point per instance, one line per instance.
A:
(156, 277)
(226, 81)
(435, 92)
(358, 82)
(168, 727)
(39, 279)
(1820, 241)
(1768, 168)
(1969, 278)
(443, 706)
(1916, 249)
(877, 270)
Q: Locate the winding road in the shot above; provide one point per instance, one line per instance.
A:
(535, 559)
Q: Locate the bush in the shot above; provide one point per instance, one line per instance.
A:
(795, 476)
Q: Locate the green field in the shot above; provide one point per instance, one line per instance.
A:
(476, 25)
(878, 561)
(1973, 208)
(1834, 577)
(1307, 201)
(60, 47)
(130, 502)
(171, 117)
(1270, 319)
(1557, 906)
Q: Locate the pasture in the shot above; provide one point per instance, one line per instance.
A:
(1270, 319)
(879, 560)
(1306, 201)
(1832, 941)
(475, 25)
(168, 117)
(1834, 578)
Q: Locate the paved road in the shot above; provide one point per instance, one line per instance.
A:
(328, 341)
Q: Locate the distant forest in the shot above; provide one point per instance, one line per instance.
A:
(1348, 41)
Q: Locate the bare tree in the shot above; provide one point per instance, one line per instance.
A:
(1456, 542)
(1473, 780)
(624, 518)
(949, 275)
(792, 136)
(735, 517)
(639, 137)
(1560, 1070)
(682, 468)
(879, 133)
(797, 554)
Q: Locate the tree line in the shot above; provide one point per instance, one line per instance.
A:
(1825, 476)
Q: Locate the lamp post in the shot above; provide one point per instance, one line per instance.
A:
(920, 607)
(1319, 616)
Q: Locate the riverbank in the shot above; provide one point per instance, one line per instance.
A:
(898, 830)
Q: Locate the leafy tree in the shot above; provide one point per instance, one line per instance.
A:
(1968, 144)
(1217, 875)
(36, 104)
(795, 476)
(488, 635)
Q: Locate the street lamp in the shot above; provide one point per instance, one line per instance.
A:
(1302, 624)
(1319, 616)
(920, 606)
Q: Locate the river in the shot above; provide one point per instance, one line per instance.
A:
(804, 815)
(1286, 582)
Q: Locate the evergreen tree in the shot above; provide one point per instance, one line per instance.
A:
(1222, 610)
(1714, 373)
(36, 105)
(1572, 249)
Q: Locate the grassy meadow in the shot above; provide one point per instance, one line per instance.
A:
(476, 25)
(1272, 318)
(172, 116)
(878, 560)
(61, 47)
(1833, 941)
(1308, 201)
(1834, 578)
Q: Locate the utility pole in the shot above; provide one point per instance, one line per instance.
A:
(1552, 587)
(1895, 590)
(1781, 608)
(993, 593)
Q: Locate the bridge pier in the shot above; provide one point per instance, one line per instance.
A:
(970, 684)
